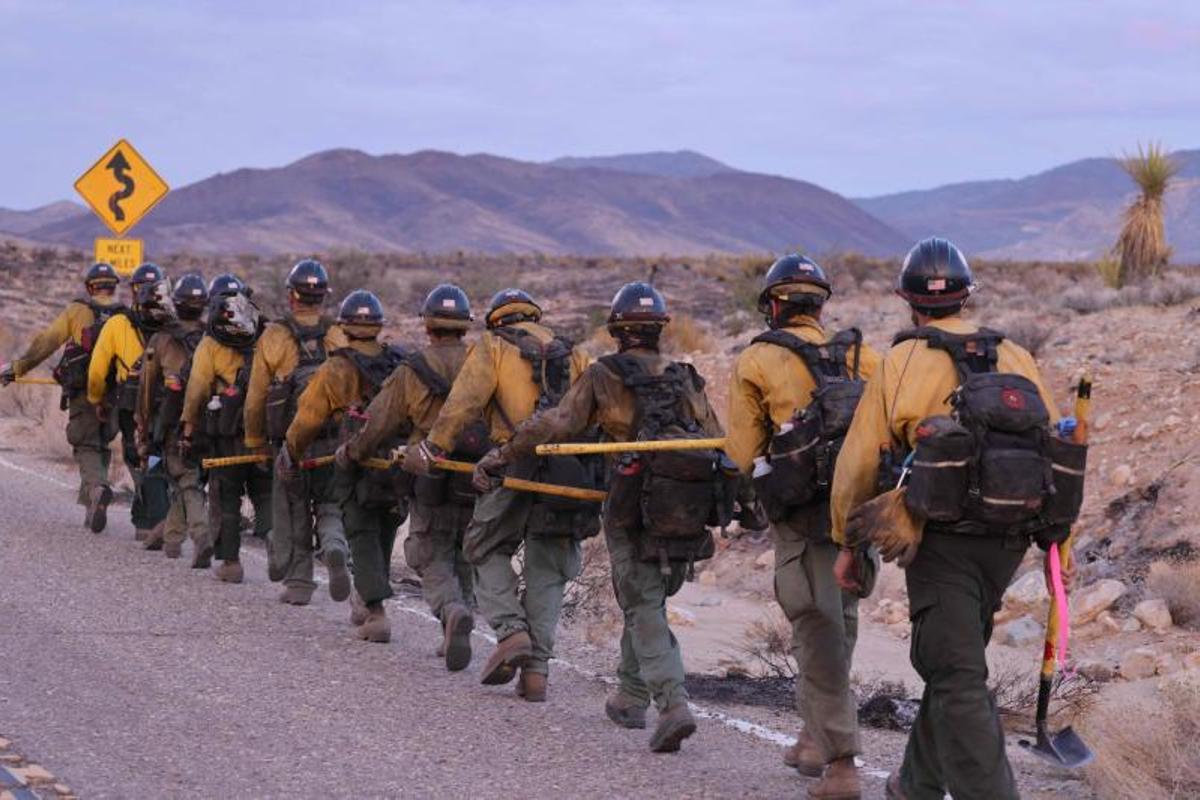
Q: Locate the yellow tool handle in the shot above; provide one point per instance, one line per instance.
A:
(234, 461)
(1083, 408)
(32, 379)
(596, 448)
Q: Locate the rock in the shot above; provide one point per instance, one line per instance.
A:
(1166, 664)
(707, 578)
(1028, 592)
(1101, 422)
(61, 788)
(1154, 614)
(896, 614)
(1130, 625)
(1098, 597)
(1020, 632)
(1109, 621)
(10, 758)
(1139, 663)
(4, 743)
(1098, 671)
(709, 601)
(1145, 431)
(1172, 421)
(678, 616)
(766, 560)
(1121, 475)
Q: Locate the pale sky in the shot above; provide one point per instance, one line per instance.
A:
(862, 97)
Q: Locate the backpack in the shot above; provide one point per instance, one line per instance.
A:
(804, 451)
(668, 498)
(225, 418)
(283, 393)
(550, 362)
(472, 444)
(993, 466)
(71, 372)
(374, 488)
(167, 399)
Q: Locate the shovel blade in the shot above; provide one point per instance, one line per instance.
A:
(1064, 749)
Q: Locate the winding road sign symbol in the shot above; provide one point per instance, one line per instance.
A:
(121, 187)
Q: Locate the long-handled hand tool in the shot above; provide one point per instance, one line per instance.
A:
(655, 446)
(1064, 748)
(33, 379)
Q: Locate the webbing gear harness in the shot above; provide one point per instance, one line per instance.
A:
(167, 402)
(803, 456)
(72, 368)
(670, 497)
(283, 393)
(550, 363)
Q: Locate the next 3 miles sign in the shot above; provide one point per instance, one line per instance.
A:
(121, 187)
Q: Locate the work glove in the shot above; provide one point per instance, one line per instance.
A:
(888, 524)
(184, 445)
(489, 472)
(8, 375)
(419, 457)
(750, 516)
(341, 456)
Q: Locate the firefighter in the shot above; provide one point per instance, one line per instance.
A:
(403, 411)
(517, 367)
(791, 386)
(78, 326)
(285, 358)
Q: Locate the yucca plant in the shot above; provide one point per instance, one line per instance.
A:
(1142, 246)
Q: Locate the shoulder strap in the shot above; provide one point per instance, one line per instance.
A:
(550, 362)
(658, 398)
(434, 382)
(972, 352)
(374, 370)
(310, 339)
(827, 361)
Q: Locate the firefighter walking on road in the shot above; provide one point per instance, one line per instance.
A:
(970, 407)
(794, 391)
(287, 355)
(404, 411)
(77, 327)
(658, 508)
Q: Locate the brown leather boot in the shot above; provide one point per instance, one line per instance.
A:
(805, 757)
(377, 627)
(296, 595)
(456, 640)
(339, 576)
(840, 782)
(173, 549)
(674, 725)
(97, 511)
(202, 555)
(625, 711)
(512, 653)
(532, 686)
(230, 572)
(358, 610)
(154, 537)
(893, 791)
(141, 534)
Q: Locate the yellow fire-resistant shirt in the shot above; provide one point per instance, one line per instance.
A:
(770, 384)
(913, 382)
(120, 343)
(275, 356)
(406, 403)
(335, 386)
(495, 383)
(68, 326)
(214, 368)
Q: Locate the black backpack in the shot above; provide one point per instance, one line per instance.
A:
(803, 454)
(283, 394)
(71, 372)
(374, 488)
(993, 466)
(167, 401)
(668, 498)
(550, 362)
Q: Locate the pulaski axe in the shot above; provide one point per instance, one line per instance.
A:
(1064, 748)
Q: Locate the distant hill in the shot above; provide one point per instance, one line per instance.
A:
(1066, 213)
(679, 164)
(437, 202)
(23, 222)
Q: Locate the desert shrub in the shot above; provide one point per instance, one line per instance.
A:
(1146, 746)
(685, 335)
(1142, 246)
(1031, 332)
(1171, 288)
(1179, 585)
(1109, 270)
(767, 643)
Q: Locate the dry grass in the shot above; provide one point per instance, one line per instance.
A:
(767, 644)
(1109, 270)
(1142, 244)
(1146, 746)
(1179, 585)
(685, 335)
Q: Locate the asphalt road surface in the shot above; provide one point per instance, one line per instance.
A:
(127, 675)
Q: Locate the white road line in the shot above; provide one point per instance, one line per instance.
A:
(762, 732)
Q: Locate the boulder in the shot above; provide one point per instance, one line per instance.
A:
(1121, 475)
(1096, 670)
(1139, 663)
(1028, 593)
(1154, 614)
(1021, 632)
(1096, 598)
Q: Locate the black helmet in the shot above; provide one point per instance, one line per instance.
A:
(361, 308)
(636, 303)
(512, 305)
(190, 296)
(792, 276)
(935, 278)
(101, 276)
(146, 273)
(447, 307)
(226, 285)
(234, 321)
(309, 281)
(152, 303)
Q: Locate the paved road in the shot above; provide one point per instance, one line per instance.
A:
(130, 676)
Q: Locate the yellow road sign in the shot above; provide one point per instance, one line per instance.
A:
(125, 255)
(121, 187)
